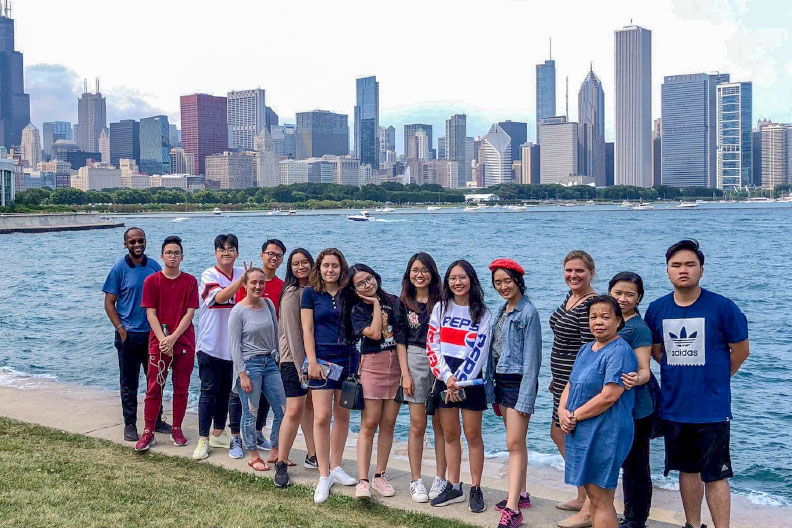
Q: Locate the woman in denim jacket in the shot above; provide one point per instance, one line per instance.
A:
(517, 355)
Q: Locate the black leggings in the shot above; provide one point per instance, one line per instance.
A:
(215, 377)
(637, 478)
(235, 412)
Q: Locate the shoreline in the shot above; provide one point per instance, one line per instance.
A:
(544, 481)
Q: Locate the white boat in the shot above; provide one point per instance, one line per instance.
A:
(686, 205)
(180, 219)
(217, 211)
(292, 211)
(642, 207)
(626, 203)
(363, 216)
(433, 208)
(474, 208)
(387, 210)
(278, 212)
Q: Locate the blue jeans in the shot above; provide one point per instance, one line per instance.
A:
(265, 377)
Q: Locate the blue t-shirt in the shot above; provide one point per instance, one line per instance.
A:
(330, 345)
(696, 368)
(125, 281)
(637, 335)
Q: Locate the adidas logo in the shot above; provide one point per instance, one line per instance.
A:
(683, 340)
(725, 468)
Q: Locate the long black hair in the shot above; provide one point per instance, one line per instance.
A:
(350, 299)
(409, 292)
(475, 295)
(629, 276)
(290, 281)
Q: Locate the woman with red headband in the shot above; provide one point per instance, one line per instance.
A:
(517, 355)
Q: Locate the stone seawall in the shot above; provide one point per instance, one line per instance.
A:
(41, 223)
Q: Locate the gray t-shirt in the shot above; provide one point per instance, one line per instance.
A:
(252, 332)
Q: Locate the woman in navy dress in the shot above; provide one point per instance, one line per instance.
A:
(596, 413)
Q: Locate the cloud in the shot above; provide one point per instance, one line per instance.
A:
(54, 90)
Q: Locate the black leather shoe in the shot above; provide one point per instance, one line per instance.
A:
(163, 427)
(130, 433)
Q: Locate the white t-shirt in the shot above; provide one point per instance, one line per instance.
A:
(213, 317)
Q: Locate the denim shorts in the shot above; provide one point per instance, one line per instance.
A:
(507, 389)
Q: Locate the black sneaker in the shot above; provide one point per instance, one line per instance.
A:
(449, 495)
(476, 502)
(688, 525)
(130, 433)
(310, 462)
(162, 427)
(281, 474)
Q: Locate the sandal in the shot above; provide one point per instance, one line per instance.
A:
(569, 505)
(290, 463)
(258, 465)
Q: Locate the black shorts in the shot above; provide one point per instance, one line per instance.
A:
(291, 380)
(698, 448)
(475, 397)
(507, 389)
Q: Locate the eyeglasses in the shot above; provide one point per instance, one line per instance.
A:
(273, 255)
(420, 271)
(173, 254)
(136, 241)
(229, 250)
(370, 280)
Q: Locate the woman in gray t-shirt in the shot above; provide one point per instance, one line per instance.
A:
(253, 333)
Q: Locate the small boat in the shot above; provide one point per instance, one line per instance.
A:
(626, 203)
(292, 211)
(180, 219)
(217, 211)
(278, 212)
(387, 209)
(363, 216)
(686, 205)
(642, 207)
(433, 208)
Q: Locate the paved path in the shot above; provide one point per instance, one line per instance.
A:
(97, 413)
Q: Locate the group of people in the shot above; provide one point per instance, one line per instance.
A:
(305, 347)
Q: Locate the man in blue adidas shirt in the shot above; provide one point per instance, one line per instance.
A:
(123, 290)
(700, 340)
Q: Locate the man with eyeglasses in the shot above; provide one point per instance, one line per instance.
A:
(123, 291)
(219, 291)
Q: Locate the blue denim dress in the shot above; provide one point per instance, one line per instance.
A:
(598, 446)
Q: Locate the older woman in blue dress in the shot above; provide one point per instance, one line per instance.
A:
(596, 413)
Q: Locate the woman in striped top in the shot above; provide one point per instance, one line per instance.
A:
(570, 332)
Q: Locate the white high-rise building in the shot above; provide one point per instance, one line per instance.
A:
(96, 179)
(31, 145)
(497, 156)
(776, 155)
(735, 139)
(104, 145)
(422, 148)
(347, 171)
(181, 162)
(632, 150)
(558, 155)
(246, 112)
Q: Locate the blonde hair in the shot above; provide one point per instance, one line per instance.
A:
(246, 275)
(582, 255)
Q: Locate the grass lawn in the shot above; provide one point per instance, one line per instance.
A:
(53, 479)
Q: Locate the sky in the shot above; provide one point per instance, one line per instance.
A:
(432, 58)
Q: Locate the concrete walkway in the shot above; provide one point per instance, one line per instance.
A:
(97, 413)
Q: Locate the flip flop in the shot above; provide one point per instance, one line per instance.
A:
(254, 463)
(290, 463)
(578, 524)
(568, 506)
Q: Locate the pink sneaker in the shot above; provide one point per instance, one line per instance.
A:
(178, 437)
(146, 441)
(363, 490)
(382, 486)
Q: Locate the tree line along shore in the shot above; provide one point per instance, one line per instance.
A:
(332, 196)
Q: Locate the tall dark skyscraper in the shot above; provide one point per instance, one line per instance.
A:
(154, 145)
(518, 132)
(591, 129)
(545, 91)
(91, 118)
(367, 121)
(14, 102)
(124, 141)
(321, 132)
(204, 127)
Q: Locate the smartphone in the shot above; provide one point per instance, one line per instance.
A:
(461, 394)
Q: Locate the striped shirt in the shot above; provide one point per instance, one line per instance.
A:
(571, 331)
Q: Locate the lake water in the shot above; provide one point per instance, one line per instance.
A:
(53, 323)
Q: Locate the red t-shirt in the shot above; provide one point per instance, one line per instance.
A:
(171, 298)
(272, 291)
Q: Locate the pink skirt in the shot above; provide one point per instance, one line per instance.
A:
(380, 375)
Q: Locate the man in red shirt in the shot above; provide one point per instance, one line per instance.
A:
(170, 298)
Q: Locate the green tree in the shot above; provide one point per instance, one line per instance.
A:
(67, 196)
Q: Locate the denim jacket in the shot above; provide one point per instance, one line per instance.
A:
(522, 351)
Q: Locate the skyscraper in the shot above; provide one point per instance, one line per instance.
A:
(735, 153)
(689, 120)
(367, 121)
(441, 148)
(247, 116)
(52, 131)
(91, 118)
(497, 147)
(31, 145)
(14, 102)
(174, 136)
(320, 132)
(104, 145)
(409, 134)
(558, 150)
(124, 141)
(591, 129)
(657, 149)
(776, 155)
(155, 145)
(633, 106)
(203, 125)
(419, 146)
(387, 142)
(456, 143)
(545, 91)
(518, 132)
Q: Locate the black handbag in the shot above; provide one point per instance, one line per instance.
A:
(399, 395)
(432, 400)
(352, 390)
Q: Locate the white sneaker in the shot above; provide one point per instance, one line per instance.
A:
(322, 490)
(438, 485)
(202, 449)
(418, 491)
(340, 476)
(221, 442)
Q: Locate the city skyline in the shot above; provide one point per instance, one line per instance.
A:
(454, 88)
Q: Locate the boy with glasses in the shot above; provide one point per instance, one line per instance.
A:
(170, 298)
(123, 290)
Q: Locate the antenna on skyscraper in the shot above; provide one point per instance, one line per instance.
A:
(97, 85)
(85, 85)
(551, 48)
(566, 112)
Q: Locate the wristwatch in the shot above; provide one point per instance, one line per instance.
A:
(119, 326)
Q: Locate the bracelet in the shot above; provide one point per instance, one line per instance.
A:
(119, 326)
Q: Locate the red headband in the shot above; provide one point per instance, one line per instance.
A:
(508, 264)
